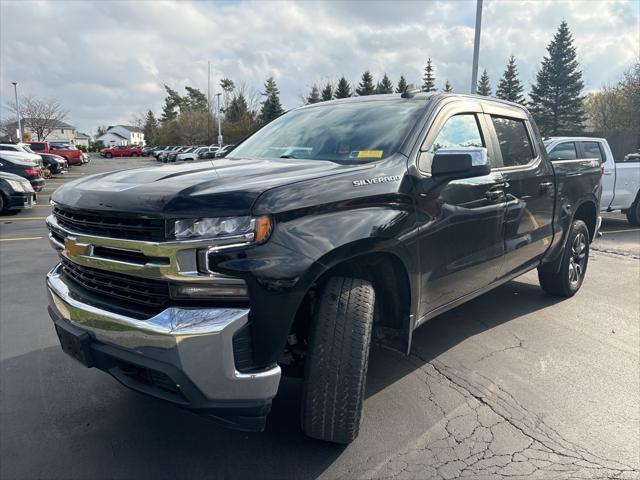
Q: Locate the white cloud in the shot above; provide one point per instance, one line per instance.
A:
(106, 61)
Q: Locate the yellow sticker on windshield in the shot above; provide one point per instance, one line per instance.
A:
(370, 154)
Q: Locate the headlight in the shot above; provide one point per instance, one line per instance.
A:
(225, 230)
(17, 186)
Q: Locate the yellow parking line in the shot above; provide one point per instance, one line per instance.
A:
(22, 219)
(19, 239)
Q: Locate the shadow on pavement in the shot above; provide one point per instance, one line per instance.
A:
(60, 420)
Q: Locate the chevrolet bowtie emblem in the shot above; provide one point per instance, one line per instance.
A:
(75, 249)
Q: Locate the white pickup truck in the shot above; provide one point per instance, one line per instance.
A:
(620, 179)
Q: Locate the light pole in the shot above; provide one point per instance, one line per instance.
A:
(476, 48)
(15, 91)
(219, 127)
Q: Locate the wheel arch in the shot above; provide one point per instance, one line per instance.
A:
(390, 276)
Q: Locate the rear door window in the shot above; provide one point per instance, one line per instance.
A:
(514, 141)
(563, 151)
(592, 150)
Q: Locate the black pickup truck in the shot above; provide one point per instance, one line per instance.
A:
(335, 224)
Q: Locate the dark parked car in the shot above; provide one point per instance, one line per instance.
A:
(55, 163)
(334, 224)
(15, 192)
(16, 164)
(146, 151)
(225, 150)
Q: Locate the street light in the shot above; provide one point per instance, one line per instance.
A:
(476, 48)
(15, 91)
(219, 126)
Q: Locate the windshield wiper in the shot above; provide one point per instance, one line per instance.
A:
(288, 156)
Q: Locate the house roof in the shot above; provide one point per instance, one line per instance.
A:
(112, 133)
(55, 123)
(26, 121)
(131, 128)
(82, 135)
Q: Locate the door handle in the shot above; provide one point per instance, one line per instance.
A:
(608, 173)
(545, 186)
(494, 194)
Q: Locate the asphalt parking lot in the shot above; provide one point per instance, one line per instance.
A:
(513, 384)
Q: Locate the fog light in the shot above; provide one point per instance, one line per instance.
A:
(210, 291)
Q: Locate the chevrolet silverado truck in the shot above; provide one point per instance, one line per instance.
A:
(335, 224)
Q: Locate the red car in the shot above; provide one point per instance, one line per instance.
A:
(71, 154)
(121, 151)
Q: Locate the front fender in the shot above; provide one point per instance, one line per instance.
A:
(303, 246)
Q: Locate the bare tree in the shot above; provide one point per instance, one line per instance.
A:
(138, 119)
(40, 116)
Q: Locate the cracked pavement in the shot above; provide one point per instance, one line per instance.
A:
(515, 384)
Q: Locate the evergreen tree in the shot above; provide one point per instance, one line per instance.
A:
(484, 85)
(385, 85)
(429, 78)
(447, 87)
(314, 95)
(271, 107)
(238, 109)
(556, 103)
(366, 87)
(194, 101)
(172, 104)
(343, 90)
(402, 85)
(327, 92)
(150, 128)
(510, 87)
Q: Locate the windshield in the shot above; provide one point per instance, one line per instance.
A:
(347, 132)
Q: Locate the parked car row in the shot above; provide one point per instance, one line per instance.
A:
(23, 171)
(175, 153)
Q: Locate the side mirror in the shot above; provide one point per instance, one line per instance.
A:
(457, 163)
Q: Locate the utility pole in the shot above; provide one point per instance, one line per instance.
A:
(15, 91)
(476, 48)
(208, 102)
(219, 127)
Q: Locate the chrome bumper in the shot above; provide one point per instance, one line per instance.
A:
(196, 341)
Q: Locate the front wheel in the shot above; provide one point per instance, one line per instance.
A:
(134, 154)
(633, 214)
(337, 360)
(568, 280)
(108, 155)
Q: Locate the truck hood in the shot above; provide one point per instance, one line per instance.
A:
(217, 188)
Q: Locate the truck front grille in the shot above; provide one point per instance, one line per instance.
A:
(153, 294)
(111, 226)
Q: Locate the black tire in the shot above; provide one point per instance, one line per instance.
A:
(337, 360)
(633, 214)
(2, 206)
(134, 154)
(568, 280)
(108, 155)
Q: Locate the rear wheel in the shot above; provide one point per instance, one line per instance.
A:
(2, 204)
(633, 214)
(134, 154)
(337, 360)
(568, 280)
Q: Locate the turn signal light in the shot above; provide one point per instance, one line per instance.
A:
(32, 171)
(264, 225)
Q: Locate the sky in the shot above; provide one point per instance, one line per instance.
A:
(107, 61)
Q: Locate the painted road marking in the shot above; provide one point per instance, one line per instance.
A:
(19, 239)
